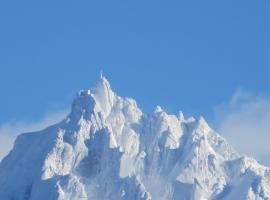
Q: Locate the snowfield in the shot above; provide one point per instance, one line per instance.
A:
(107, 149)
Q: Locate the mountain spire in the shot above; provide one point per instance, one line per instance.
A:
(103, 94)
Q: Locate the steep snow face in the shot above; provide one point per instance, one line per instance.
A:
(106, 148)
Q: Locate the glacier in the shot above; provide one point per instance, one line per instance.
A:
(108, 149)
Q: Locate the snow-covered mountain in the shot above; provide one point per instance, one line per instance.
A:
(107, 149)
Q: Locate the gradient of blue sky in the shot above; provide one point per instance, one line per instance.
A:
(188, 55)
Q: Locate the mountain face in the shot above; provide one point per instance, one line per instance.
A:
(107, 149)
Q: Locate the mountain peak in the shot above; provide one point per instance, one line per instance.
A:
(203, 125)
(158, 109)
(102, 84)
(103, 95)
(101, 98)
(109, 149)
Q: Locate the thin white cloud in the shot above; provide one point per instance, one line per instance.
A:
(10, 130)
(245, 122)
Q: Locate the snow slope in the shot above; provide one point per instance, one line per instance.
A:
(106, 148)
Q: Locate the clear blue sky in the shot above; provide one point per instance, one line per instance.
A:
(183, 55)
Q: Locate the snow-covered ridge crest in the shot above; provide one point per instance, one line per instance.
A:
(106, 148)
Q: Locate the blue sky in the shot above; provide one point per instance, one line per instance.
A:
(183, 55)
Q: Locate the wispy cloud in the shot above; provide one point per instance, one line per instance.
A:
(10, 130)
(245, 122)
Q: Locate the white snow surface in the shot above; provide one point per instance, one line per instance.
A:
(107, 149)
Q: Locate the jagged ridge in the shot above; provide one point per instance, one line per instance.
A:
(107, 148)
